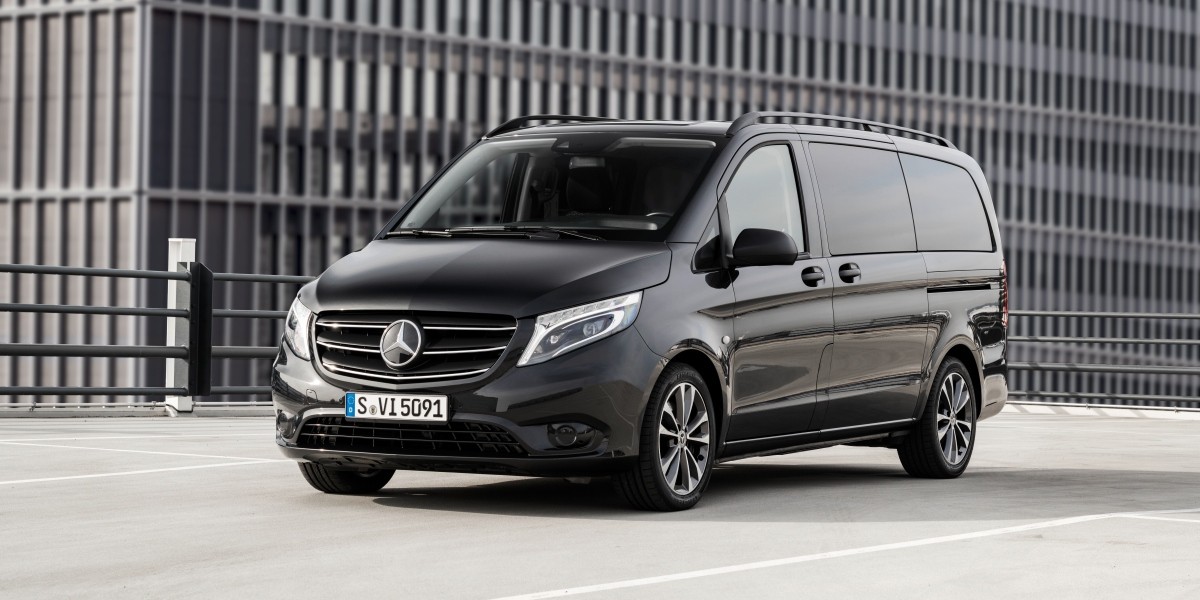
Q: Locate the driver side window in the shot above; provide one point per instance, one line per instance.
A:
(471, 204)
(763, 194)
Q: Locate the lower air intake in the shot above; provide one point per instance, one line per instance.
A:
(450, 439)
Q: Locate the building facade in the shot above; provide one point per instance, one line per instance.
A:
(282, 133)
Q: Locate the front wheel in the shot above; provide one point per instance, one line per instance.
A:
(676, 458)
(342, 481)
(941, 444)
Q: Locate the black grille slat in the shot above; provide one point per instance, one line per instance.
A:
(350, 337)
(430, 439)
(431, 366)
(435, 340)
(456, 346)
(448, 340)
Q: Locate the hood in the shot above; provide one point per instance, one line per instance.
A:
(516, 277)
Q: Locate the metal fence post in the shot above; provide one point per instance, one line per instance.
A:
(200, 314)
(181, 252)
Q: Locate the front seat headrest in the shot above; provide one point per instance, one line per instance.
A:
(589, 190)
(665, 187)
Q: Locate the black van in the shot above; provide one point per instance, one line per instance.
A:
(644, 299)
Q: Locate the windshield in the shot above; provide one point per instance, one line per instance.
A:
(611, 185)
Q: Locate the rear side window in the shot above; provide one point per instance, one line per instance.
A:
(946, 206)
(864, 199)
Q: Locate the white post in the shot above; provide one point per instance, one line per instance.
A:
(180, 252)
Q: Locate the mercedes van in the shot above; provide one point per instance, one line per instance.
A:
(646, 299)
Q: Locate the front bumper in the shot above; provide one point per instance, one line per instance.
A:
(564, 466)
(602, 387)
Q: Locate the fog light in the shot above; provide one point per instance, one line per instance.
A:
(570, 435)
(285, 424)
(564, 436)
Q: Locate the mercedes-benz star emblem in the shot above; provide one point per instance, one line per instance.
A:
(400, 344)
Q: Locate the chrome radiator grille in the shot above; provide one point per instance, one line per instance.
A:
(455, 346)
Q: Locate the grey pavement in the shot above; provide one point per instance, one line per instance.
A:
(1052, 506)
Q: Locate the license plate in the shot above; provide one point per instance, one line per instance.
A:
(396, 407)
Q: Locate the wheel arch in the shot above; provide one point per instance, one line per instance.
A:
(961, 351)
(710, 372)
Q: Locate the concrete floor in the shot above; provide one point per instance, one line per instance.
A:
(1057, 507)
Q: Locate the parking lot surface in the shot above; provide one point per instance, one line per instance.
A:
(1052, 506)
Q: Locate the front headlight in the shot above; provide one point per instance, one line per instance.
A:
(296, 328)
(565, 330)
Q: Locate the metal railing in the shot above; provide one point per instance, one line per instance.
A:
(195, 354)
(1078, 397)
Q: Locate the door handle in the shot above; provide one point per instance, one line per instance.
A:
(849, 272)
(812, 276)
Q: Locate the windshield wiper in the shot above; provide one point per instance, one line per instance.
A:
(418, 233)
(571, 232)
(529, 231)
(453, 231)
(525, 229)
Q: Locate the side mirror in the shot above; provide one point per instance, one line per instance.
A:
(763, 247)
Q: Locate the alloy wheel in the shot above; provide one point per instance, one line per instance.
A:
(683, 438)
(954, 422)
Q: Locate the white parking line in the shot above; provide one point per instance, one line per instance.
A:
(1149, 518)
(1088, 430)
(121, 473)
(792, 560)
(131, 451)
(135, 422)
(136, 437)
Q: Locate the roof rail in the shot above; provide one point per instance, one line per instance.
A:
(519, 122)
(751, 118)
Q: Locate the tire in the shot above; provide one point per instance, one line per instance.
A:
(655, 484)
(341, 481)
(927, 453)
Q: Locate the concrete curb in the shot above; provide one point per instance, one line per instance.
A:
(132, 411)
(81, 413)
(1094, 410)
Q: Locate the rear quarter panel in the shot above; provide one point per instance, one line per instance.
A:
(964, 308)
(964, 293)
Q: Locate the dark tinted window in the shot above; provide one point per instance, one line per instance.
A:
(946, 206)
(864, 199)
(616, 185)
(763, 195)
